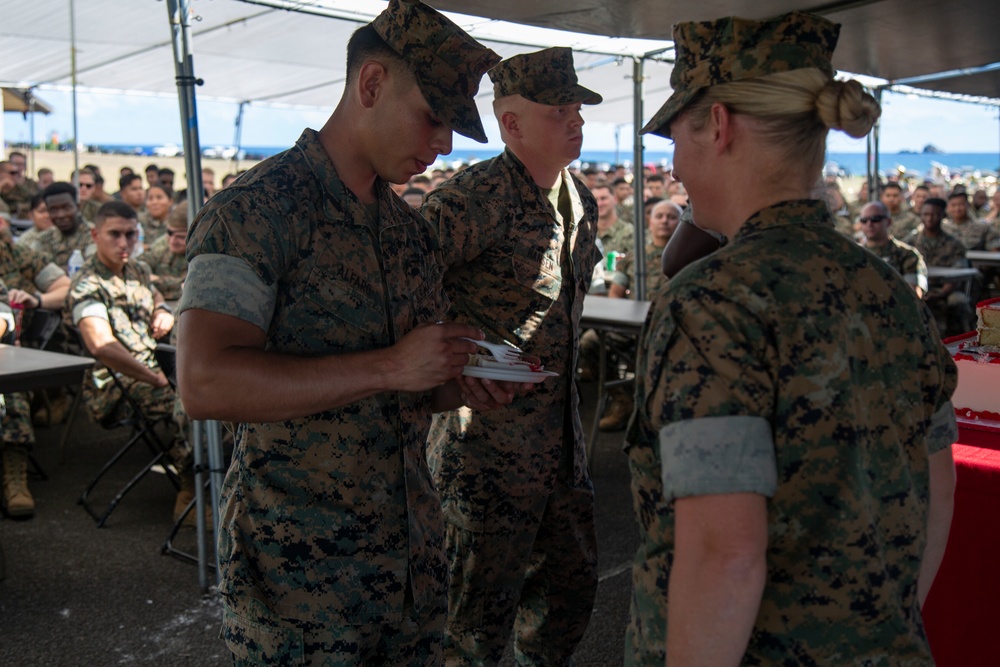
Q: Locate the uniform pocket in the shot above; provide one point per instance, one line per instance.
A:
(262, 640)
(357, 305)
(536, 269)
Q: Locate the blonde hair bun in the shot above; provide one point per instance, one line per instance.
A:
(846, 106)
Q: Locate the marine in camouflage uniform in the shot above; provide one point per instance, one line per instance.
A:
(24, 269)
(751, 368)
(514, 481)
(127, 303)
(619, 238)
(17, 437)
(332, 536)
(655, 279)
(58, 247)
(904, 223)
(168, 267)
(905, 259)
(18, 199)
(951, 306)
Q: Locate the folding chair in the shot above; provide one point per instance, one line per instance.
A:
(143, 430)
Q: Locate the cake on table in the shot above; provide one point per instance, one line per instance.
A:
(977, 355)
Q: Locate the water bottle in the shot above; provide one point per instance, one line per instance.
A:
(75, 262)
(140, 241)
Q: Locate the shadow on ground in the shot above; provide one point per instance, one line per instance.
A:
(78, 595)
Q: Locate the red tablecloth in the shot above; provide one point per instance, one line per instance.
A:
(962, 612)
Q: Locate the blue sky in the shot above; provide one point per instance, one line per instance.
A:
(909, 123)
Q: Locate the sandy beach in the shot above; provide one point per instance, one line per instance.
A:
(110, 164)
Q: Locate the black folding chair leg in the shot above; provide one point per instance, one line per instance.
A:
(125, 489)
(143, 435)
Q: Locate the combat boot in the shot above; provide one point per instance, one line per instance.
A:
(619, 410)
(17, 500)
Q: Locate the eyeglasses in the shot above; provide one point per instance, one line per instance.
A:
(180, 233)
(874, 218)
(86, 186)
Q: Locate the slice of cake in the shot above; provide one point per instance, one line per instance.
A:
(977, 396)
(988, 325)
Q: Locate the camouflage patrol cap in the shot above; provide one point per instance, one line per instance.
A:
(545, 77)
(732, 49)
(447, 63)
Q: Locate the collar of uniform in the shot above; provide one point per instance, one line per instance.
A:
(129, 270)
(321, 165)
(793, 212)
(514, 163)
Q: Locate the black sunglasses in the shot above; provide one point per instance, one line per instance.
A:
(874, 218)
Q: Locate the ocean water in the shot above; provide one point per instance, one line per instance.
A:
(848, 163)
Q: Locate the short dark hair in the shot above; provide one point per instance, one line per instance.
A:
(957, 194)
(127, 179)
(922, 187)
(366, 43)
(37, 201)
(165, 170)
(114, 209)
(413, 191)
(150, 167)
(59, 188)
(892, 185)
(654, 178)
(936, 201)
(619, 181)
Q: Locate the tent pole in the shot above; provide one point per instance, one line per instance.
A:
(639, 261)
(72, 61)
(202, 432)
(178, 11)
(238, 139)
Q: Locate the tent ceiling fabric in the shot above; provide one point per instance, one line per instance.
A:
(253, 51)
(888, 39)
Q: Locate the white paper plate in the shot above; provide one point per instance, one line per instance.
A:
(507, 374)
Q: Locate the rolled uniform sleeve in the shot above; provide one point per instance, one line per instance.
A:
(235, 255)
(712, 398)
(47, 276)
(227, 285)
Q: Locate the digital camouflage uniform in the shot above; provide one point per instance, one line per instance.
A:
(89, 208)
(153, 230)
(953, 312)
(514, 481)
(331, 520)
(620, 238)
(905, 259)
(126, 303)
(904, 223)
(23, 269)
(57, 247)
(18, 199)
(15, 413)
(30, 239)
(792, 364)
(331, 543)
(973, 234)
(168, 267)
(655, 278)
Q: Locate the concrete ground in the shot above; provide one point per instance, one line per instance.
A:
(79, 595)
